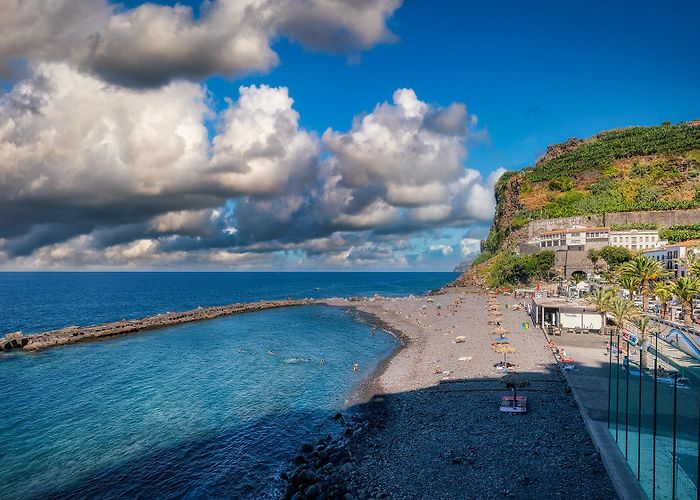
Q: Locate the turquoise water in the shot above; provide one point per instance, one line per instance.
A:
(208, 409)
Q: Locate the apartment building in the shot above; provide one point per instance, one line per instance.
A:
(575, 238)
(673, 256)
(636, 239)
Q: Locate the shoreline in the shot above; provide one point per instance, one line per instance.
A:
(370, 386)
(427, 418)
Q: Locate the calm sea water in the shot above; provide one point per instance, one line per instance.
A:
(34, 302)
(209, 409)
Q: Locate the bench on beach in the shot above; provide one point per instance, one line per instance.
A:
(513, 404)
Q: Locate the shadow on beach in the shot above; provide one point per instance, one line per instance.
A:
(445, 441)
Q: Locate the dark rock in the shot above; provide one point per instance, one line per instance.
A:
(338, 416)
(299, 459)
(307, 448)
(313, 491)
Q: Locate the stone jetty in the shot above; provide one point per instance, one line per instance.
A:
(75, 334)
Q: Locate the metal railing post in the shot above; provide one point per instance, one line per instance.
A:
(610, 354)
(673, 454)
(639, 418)
(617, 389)
(627, 399)
(653, 453)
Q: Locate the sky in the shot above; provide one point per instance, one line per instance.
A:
(305, 134)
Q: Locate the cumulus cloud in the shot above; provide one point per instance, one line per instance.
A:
(92, 173)
(261, 149)
(405, 161)
(151, 45)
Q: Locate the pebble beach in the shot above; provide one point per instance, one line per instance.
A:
(427, 423)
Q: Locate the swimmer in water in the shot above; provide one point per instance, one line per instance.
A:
(270, 353)
(323, 361)
(355, 366)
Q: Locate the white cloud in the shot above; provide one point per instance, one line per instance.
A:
(261, 149)
(152, 44)
(443, 249)
(92, 172)
(469, 247)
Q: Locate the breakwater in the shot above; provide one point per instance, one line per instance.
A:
(76, 334)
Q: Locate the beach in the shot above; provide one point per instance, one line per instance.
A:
(433, 427)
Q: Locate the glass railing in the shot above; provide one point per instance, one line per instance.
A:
(654, 414)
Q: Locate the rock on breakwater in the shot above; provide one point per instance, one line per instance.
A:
(75, 334)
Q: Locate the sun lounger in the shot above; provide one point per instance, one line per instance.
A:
(514, 405)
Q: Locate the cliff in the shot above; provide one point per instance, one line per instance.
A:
(633, 175)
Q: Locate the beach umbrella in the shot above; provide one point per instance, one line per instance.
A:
(505, 349)
(515, 381)
(500, 330)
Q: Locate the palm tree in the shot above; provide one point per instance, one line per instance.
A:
(645, 270)
(629, 283)
(692, 263)
(687, 289)
(664, 292)
(642, 324)
(601, 298)
(622, 310)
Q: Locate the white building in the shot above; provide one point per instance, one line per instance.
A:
(673, 255)
(636, 239)
(578, 237)
(584, 238)
(564, 313)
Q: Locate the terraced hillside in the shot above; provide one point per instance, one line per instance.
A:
(635, 169)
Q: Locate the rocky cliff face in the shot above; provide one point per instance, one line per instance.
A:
(556, 150)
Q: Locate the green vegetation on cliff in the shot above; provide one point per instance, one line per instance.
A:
(686, 232)
(631, 169)
(509, 269)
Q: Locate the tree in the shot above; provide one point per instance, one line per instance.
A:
(614, 256)
(601, 299)
(594, 256)
(664, 292)
(692, 263)
(578, 276)
(645, 270)
(623, 310)
(629, 283)
(687, 289)
(642, 324)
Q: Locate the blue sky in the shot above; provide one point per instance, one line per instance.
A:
(356, 173)
(535, 73)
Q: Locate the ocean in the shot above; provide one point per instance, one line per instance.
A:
(208, 409)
